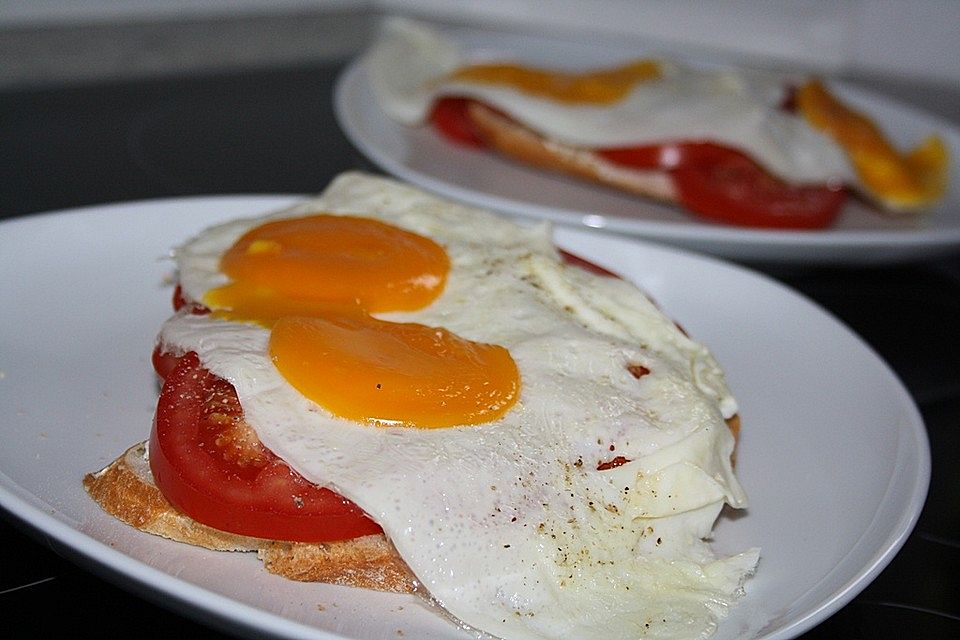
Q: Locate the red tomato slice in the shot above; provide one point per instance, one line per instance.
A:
(449, 116)
(210, 465)
(583, 263)
(164, 362)
(646, 157)
(180, 301)
(725, 185)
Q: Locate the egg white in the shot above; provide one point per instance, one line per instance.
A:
(508, 525)
(407, 68)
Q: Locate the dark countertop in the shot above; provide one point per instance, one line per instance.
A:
(273, 131)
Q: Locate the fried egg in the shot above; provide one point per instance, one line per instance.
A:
(651, 102)
(554, 451)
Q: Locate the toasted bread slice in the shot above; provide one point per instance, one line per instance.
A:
(125, 489)
(526, 146)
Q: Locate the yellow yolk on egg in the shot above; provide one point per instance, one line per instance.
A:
(314, 281)
(393, 373)
(595, 87)
(330, 259)
(916, 178)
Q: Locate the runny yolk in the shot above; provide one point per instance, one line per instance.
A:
(327, 259)
(314, 281)
(899, 180)
(391, 373)
(595, 87)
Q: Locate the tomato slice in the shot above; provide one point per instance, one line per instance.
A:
(449, 116)
(164, 362)
(180, 301)
(209, 464)
(725, 185)
(652, 156)
(586, 265)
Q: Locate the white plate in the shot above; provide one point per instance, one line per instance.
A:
(484, 179)
(834, 453)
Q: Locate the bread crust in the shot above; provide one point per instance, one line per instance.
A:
(125, 489)
(520, 143)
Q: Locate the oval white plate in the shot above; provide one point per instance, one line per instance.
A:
(834, 453)
(420, 156)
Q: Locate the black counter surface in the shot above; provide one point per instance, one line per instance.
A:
(273, 131)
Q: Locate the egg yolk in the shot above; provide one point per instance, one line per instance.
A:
(324, 259)
(595, 87)
(314, 281)
(391, 373)
(916, 178)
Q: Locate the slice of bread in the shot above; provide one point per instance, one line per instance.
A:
(526, 146)
(125, 489)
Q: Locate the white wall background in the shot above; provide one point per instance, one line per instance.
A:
(918, 39)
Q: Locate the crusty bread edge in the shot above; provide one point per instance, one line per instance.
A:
(125, 489)
(527, 147)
